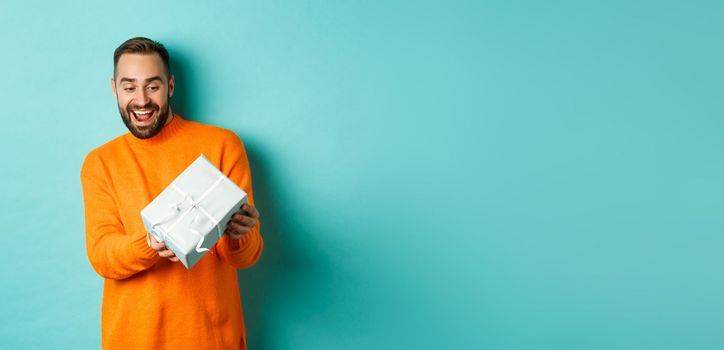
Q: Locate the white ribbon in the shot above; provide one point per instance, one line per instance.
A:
(194, 204)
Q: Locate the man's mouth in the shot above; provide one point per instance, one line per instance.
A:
(143, 116)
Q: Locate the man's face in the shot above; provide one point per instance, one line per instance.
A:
(142, 90)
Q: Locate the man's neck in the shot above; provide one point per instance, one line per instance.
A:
(170, 116)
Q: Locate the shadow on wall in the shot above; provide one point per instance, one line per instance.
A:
(294, 284)
(277, 283)
(181, 101)
(268, 286)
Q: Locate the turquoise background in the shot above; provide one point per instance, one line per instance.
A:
(462, 175)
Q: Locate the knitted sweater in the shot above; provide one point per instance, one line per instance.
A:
(150, 302)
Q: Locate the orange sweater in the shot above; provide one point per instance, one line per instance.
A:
(150, 302)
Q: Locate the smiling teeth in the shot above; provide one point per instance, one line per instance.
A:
(142, 113)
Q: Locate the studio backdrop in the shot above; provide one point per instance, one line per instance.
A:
(430, 174)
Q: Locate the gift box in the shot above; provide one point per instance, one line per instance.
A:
(191, 214)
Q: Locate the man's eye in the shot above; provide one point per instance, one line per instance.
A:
(128, 89)
(153, 88)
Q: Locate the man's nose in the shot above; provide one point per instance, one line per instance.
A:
(142, 97)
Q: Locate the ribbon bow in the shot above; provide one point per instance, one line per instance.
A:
(175, 210)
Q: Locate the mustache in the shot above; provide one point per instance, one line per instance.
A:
(147, 106)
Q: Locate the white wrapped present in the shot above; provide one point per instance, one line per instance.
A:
(191, 214)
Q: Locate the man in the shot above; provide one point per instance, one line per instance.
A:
(150, 300)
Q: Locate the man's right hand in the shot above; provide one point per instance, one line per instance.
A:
(163, 252)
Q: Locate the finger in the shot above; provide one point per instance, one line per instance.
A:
(174, 259)
(251, 210)
(168, 253)
(156, 245)
(247, 210)
(236, 230)
(237, 235)
(244, 220)
(238, 215)
(236, 227)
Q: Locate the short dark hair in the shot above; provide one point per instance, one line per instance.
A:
(143, 46)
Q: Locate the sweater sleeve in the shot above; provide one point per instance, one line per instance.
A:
(245, 251)
(113, 252)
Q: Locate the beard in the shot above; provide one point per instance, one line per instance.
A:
(145, 132)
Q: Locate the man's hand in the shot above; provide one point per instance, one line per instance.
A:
(242, 221)
(161, 249)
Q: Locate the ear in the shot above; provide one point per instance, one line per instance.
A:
(171, 83)
(113, 87)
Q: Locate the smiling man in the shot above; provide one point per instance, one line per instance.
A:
(150, 300)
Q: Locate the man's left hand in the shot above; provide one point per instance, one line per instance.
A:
(242, 221)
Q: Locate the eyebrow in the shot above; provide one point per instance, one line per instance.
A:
(147, 80)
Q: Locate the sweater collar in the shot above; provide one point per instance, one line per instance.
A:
(167, 132)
